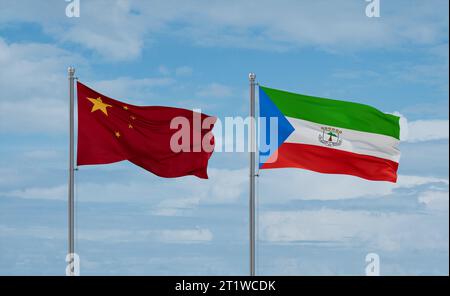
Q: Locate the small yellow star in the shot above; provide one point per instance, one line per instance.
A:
(117, 134)
(132, 117)
(130, 125)
(125, 107)
(99, 105)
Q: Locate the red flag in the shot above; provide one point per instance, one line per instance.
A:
(111, 131)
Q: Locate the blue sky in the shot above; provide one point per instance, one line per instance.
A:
(192, 55)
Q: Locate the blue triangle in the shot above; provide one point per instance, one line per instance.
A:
(268, 109)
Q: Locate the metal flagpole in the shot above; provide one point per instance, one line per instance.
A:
(251, 78)
(71, 72)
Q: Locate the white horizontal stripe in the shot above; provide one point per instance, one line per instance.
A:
(307, 132)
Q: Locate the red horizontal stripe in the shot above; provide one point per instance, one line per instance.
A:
(333, 161)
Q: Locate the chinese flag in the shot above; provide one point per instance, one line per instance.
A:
(111, 131)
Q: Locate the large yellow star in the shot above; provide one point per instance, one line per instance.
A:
(99, 105)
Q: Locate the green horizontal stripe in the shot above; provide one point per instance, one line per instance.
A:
(335, 113)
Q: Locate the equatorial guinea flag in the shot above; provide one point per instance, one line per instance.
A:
(111, 131)
(331, 136)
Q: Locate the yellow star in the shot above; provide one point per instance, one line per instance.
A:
(125, 107)
(117, 134)
(99, 105)
(132, 117)
(130, 126)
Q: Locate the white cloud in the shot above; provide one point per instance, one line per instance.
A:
(110, 28)
(163, 70)
(179, 197)
(183, 71)
(168, 195)
(423, 130)
(436, 109)
(435, 200)
(35, 70)
(9, 176)
(403, 126)
(33, 87)
(185, 235)
(179, 236)
(175, 206)
(224, 187)
(196, 235)
(405, 181)
(123, 28)
(215, 90)
(293, 24)
(305, 185)
(133, 90)
(42, 154)
(33, 231)
(428, 130)
(51, 193)
(35, 115)
(379, 231)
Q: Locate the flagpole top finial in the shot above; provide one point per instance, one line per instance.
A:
(71, 70)
(251, 76)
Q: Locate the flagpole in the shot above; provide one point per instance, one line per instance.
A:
(251, 78)
(71, 207)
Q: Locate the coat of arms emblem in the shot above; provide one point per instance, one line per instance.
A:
(330, 136)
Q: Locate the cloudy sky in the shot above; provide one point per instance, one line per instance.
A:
(196, 54)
